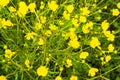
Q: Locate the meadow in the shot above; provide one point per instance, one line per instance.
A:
(59, 40)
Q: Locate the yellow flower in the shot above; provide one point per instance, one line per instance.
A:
(22, 10)
(3, 77)
(42, 5)
(5, 46)
(85, 11)
(43, 19)
(4, 2)
(69, 62)
(12, 9)
(94, 42)
(38, 26)
(48, 33)
(83, 55)
(66, 15)
(75, 22)
(118, 5)
(70, 8)
(110, 48)
(115, 12)
(52, 5)
(105, 25)
(58, 78)
(41, 41)
(82, 19)
(107, 58)
(73, 77)
(30, 35)
(27, 63)
(5, 23)
(87, 27)
(32, 7)
(92, 71)
(110, 36)
(9, 53)
(74, 43)
(52, 27)
(42, 71)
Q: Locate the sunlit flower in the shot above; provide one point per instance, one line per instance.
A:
(41, 41)
(52, 5)
(48, 33)
(42, 5)
(83, 55)
(43, 19)
(66, 15)
(115, 12)
(110, 48)
(73, 77)
(52, 27)
(69, 62)
(118, 5)
(92, 71)
(30, 35)
(42, 71)
(105, 25)
(70, 8)
(85, 11)
(82, 19)
(58, 78)
(9, 53)
(74, 43)
(12, 9)
(38, 26)
(4, 2)
(94, 42)
(32, 7)
(3, 77)
(107, 58)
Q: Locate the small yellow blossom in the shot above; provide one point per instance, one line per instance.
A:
(115, 12)
(75, 22)
(22, 10)
(74, 43)
(42, 5)
(43, 19)
(69, 62)
(52, 27)
(105, 25)
(73, 77)
(110, 48)
(38, 26)
(85, 11)
(107, 58)
(9, 53)
(92, 71)
(12, 9)
(83, 55)
(58, 78)
(3, 77)
(66, 15)
(5, 46)
(4, 2)
(5, 23)
(87, 27)
(82, 19)
(42, 71)
(94, 42)
(52, 5)
(27, 63)
(70, 8)
(41, 41)
(30, 35)
(110, 36)
(118, 5)
(32, 7)
(48, 33)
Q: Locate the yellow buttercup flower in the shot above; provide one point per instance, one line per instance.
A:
(110, 48)
(48, 33)
(58, 78)
(92, 71)
(66, 15)
(12, 9)
(22, 10)
(52, 27)
(75, 22)
(52, 5)
(9, 53)
(42, 5)
(85, 11)
(41, 41)
(105, 25)
(4, 2)
(87, 27)
(73, 77)
(38, 26)
(3, 77)
(43, 19)
(83, 55)
(82, 19)
(32, 7)
(110, 36)
(107, 58)
(118, 5)
(70, 8)
(115, 12)
(42, 71)
(74, 43)
(94, 42)
(69, 62)
(30, 35)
